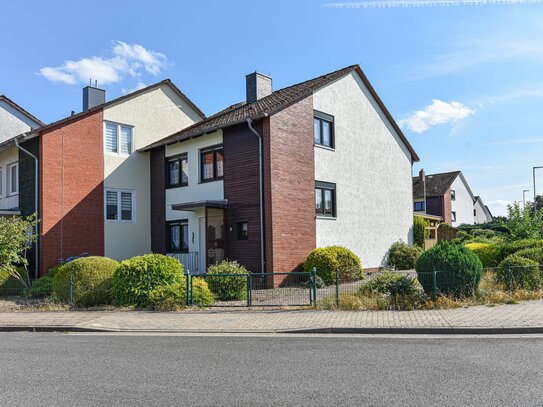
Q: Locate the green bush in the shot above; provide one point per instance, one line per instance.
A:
(488, 253)
(486, 233)
(463, 236)
(10, 285)
(517, 245)
(201, 294)
(42, 287)
(326, 260)
(420, 233)
(460, 270)
(150, 279)
(402, 256)
(91, 281)
(227, 287)
(523, 273)
(533, 253)
(400, 290)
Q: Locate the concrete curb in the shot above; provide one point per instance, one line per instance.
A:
(321, 330)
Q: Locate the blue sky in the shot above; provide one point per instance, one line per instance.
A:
(464, 81)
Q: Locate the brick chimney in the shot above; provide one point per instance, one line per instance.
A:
(257, 86)
(422, 175)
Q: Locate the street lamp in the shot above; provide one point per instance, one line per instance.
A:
(524, 197)
(535, 193)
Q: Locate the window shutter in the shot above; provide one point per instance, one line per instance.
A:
(111, 137)
(126, 206)
(126, 140)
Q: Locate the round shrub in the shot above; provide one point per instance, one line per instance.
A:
(41, 288)
(402, 256)
(227, 288)
(326, 260)
(488, 253)
(201, 294)
(519, 272)
(486, 233)
(401, 291)
(91, 281)
(459, 269)
(517, 245)
(149, 280)
(533, 253)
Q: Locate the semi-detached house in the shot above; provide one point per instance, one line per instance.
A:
(263, 182)
(323, 160)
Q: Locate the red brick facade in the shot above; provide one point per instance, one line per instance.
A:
(289, 187)
(447, 207)
(71, 188)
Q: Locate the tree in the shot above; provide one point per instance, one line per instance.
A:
(16, 236)
(524, 223)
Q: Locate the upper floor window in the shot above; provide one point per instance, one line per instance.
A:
(453, 195)
(178, 171)
(13, 179)
(325, 199)
(118, 138)
(420, 206)
(119, 205)
(212, 164)
(475, 212)
(178, 236)
(453, 216)
(323, 129)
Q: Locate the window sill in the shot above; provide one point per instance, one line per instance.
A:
(177, 186)
(120, 221)
(119, 155)
(324, 147)
(207, 181)
(326, 217)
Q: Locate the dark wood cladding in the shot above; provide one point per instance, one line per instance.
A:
(241, 189)
(158, 200)
(27, 185)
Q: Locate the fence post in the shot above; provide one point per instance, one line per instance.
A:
(71, 288)
(434, 284)
(508, 277)
(337, 286)
(314, 278)
(189, 288)
(249, 289)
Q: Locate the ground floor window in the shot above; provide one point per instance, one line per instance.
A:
(242, 230)
(420, 206)
(453, 216)
(119, 205)
(178, 236)
(325, 199)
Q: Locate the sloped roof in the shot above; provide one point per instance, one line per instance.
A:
(10, 102)
(122, 98)
(274, 102)
(436, 184)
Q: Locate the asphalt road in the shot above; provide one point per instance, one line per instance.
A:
(48, 369)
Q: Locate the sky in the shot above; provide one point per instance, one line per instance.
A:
(461, 77)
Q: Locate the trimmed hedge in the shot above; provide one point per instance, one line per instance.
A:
(91, 281)
(150, 279)
(488, 253)
(460, 269)
(201, 294)
(228, 287)
(43, 286)
(517, 245)
(533, 253)
(401, 291)
(523, 273)
(402, 256)
(326, 260)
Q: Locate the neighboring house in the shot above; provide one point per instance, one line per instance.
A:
(336, 170)
(93, 184)
(481, 213)
(14, 120)
(447, 195)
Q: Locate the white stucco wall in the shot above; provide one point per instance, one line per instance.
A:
(194, 191)
(13, 122)
(7, 157)
(154, 115)
(372, 171)
(463, 204)
(481, 214)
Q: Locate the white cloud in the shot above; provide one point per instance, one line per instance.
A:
(498, 207)
(127, 60)
(426, 3)
(139, 85)
(438, 112)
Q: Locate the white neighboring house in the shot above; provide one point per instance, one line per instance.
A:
(14, 120)
(461, 202)
(481, 213)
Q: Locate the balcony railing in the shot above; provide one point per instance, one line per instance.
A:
(188, 260)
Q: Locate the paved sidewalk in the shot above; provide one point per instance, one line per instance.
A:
(520, 318)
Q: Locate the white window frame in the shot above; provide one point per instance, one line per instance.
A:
(119, 125)
(9, 191)
(118, 191)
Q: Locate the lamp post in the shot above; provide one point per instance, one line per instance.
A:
(535, 193)
(524, 197)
